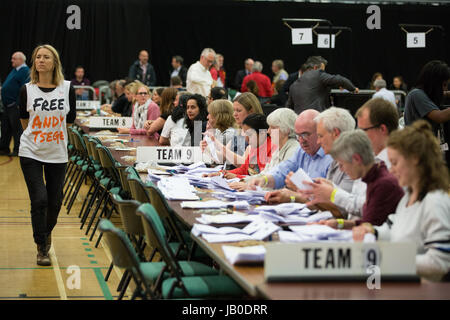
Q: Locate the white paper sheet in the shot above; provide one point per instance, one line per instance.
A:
(298, 177)
(244, 254)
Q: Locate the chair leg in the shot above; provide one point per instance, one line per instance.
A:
(111, 266)
(76, 172)
(102, 197)
(125, 286)
(90, 204)
(69, 192)
(104, 214)
(86, 200)
(75, 192)
(108, 216)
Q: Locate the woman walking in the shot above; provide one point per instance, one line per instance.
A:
(47, 105)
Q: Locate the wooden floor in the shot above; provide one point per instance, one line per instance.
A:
(20, 277)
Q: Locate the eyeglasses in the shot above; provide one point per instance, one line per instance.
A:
(367, 129)
(142, 93)
(304, 135)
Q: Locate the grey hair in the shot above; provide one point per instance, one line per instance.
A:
(380, 83)
(257, 66)
(336, 118)
(284, 118)
(21, 56)
(350, 143)
(207, 51)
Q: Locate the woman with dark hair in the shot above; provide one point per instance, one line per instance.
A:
(423, 102)
(184, 131)
(255, 131)
(376, 76)
(422, 215)
(398, 84)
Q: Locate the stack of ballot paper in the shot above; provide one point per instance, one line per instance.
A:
(296, 219)
(250, 254)
(317, 232)
(211, 204)
(226, 218)
(256, 230)
(251, 196)
(284, 209)
(177, 188)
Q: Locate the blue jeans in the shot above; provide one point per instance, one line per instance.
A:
(46, 197)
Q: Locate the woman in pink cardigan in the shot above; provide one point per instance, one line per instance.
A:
(144, 109)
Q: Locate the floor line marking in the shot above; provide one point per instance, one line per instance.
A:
(57, 271)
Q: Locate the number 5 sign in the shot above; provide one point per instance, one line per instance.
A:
(415, 40)
(302, 36)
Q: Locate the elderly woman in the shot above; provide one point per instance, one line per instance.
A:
(221, 123)
(422, 215)
(282, 132)
(144, 110)
(353, 151)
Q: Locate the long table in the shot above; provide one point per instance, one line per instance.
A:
(251, 277)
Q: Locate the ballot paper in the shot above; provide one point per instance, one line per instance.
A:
(221, 183)
(345, 236)
(318, 231)
(248, 254)
(198, 229)
(298, 177)
(257, 230)
(124, 148)
(226, 218)
(283, 209)
(177, 188)
(210, 204)
(212, 148)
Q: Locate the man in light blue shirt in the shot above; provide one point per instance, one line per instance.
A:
(309, 156)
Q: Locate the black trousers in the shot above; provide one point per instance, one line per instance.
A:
(11, 128)
(45, 196)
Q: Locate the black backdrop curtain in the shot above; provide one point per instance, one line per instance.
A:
(113, 31)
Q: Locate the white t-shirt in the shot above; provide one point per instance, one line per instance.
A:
(386, 95)
(45, 138)
(176, 132)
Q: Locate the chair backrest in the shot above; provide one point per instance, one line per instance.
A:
(133, 171)
(164, 210)
(122, 251)
(137, 187)
(132, 224)
(155, 234)
(79, 144)
(94, 142)
(88, 146)
(108, 164)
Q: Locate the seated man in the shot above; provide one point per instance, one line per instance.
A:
(330, 124)
(310, 156)
(353, 151)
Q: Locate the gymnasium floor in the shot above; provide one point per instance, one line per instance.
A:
(20, 277)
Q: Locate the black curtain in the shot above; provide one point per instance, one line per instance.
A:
(113, 31)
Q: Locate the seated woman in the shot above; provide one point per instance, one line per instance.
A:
(156, 95)
(221, 123)
(422, 215)
(236, 151)
(354, 154)
(255, 131)
(144, 109)
(168, 99)
(188, 130)
(282, 133)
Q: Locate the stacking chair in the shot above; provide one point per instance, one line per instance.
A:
(83, 167)
(110, 185)
(181, 285)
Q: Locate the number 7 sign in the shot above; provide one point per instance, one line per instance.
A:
(302, 36)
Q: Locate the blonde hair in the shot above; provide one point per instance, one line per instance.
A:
(250, 102)
(222, 111)
(57, 76)
(418, 141)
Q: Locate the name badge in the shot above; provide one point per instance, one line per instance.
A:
(339, 261)
(110, 122)
(169, 154)
(87, 104)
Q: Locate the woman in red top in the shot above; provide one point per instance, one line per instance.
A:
(255, 128)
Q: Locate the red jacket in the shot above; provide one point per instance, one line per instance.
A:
(263, 154)
(218, 73)
(263, 82)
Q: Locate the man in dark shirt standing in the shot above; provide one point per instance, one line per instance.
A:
(240, 75)
(142, 70)
(80, 80)
(11, 126)
(312, 89)
(178, 69)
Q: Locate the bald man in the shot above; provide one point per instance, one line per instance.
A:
(309, 156)
(142, 70)
(11, 127)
